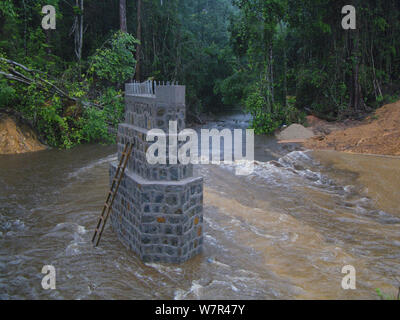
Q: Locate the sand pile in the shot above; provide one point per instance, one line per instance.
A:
(16, 137)
(295, 133)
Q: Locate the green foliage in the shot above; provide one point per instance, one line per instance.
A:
(233, 89)
(95, 123)
(94, 82)
(115, 61)
(53, 125)
(94, 126)
(113, 103)
(184, 41)
(265, 120)
(188, 42)
(298, 48)
(262, 120)
(61, 121)
(7, 9)
(7, 94)
(329, 98)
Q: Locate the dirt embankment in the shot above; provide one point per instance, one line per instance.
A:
(377, 134)
(16, 137)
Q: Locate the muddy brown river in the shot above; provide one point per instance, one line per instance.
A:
(283, 232)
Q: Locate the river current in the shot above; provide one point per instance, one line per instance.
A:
(283, 232)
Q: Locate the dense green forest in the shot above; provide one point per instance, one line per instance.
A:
(277, 59)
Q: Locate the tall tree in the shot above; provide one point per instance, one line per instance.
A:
(122, 16)
(78, 28)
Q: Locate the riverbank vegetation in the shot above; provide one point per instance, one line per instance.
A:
(277, 59)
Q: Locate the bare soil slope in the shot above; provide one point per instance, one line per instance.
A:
(16, 137)
(377, 134)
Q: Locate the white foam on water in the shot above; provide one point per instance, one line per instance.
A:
(195, 289)
(218, 263)
(164, 269)
(278, 172)
(92, 165)
(81, 229)
(72, 250)
(349, 189)
(260, 233)
(296, 168)
(215, 226)
(75, 246)
(138, 275)
(69, 226)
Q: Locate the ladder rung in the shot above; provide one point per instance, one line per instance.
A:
(117, 178)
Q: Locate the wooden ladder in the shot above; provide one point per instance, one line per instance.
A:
(111, 195)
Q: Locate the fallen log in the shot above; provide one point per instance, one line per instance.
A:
(18, 76)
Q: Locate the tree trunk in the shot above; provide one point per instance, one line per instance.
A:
(271, 66)
(48, 43)
(377, 87)
(122, 16)
(81, 31)
(78, 29)
(285, 90)
(266, 86)
(356, 96)
(25, 29)
(357, 99)
(139, 37)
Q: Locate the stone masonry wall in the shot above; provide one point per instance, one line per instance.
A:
(138, 163)
(158, 210)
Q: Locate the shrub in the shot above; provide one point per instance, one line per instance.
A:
(266, 121)
(7, 94)
(115, 62)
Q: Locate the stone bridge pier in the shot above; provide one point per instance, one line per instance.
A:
(158, 210)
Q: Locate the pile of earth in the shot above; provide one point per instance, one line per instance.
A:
(379, 133)
(17, 137)
(294, 133)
